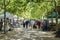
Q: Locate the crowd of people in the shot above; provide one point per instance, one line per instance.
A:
(11, 23)
(33, 24)
(44, 25)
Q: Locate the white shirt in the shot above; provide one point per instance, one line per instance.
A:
(32, 22)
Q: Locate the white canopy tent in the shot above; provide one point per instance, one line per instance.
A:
(8, 15)
(17, 17)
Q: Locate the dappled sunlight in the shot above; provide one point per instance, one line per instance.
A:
(29, 19)
(42, 32)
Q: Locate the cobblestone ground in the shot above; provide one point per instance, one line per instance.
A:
(27, 34)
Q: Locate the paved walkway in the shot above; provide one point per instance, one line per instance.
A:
(27, 34)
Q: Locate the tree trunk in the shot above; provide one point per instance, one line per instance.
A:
(56, 14)
(52, 21)
(4, 17)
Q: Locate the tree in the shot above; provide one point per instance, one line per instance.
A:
(29, 8)
(5, 5)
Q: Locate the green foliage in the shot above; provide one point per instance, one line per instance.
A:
(29, 8)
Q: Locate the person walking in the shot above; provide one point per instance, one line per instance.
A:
(39, 24)
(1, 25)
(24, 21)
(27, 23)
(32, 22)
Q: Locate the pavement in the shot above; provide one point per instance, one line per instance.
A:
(28, 34)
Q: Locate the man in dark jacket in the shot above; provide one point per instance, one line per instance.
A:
(27, 22)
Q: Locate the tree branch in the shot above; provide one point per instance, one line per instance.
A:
(7, 3)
